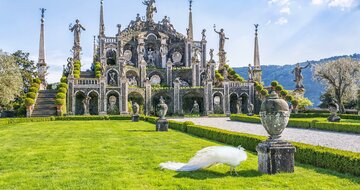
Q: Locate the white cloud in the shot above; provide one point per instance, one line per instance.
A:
(343, 4)
(268, 22)
(285, 10)
(281, 21)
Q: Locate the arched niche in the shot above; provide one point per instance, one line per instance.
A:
(79, 103)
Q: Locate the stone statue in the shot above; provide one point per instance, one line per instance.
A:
(86, 103)
(250, 73)
(77, 28)
(132, 81)
(239, 106)
(135, 108)
(211, 54)
(225, 74)
(250, 108)
(203, 33)
(112, 108)
(166, 23)
(334, 109)
(70, 66)
(163, 108)
(119, 29)
(222, 39)
(188, 32)
(151, 8)
(299, 78)
(195, 109)
(151, 57)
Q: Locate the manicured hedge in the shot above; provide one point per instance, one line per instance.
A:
(341, 161)
(306, 124)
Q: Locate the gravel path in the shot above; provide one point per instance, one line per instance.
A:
(342, 141)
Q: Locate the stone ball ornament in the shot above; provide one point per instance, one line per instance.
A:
(274, 115)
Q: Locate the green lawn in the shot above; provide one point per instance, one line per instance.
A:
(125, 155)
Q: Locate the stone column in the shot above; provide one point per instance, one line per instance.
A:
(188, 53)
(102, 108)
(203, 54)
(169, 76)
(147, 97)
(177, 106)
(226, 85)
(209, 100)
(143, 73)
(196, 74)
(212, 68)
(70, 103)
(124, 96)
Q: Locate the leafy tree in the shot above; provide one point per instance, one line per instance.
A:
(304, 103)
(341, 78)
(325, 99)
(27, 67)
(11, 83)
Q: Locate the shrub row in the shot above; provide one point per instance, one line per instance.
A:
(341, 161)
(33, 90)
(307, 124)
(9, 121)
(325, 115)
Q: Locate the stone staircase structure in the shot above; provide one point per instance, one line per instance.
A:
(45, 104)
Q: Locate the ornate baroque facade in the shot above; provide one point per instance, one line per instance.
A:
(147, 60)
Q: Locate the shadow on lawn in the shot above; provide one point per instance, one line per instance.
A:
(330, 172)
(206, 174)
(142, 131)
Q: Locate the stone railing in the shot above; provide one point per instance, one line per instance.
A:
(87, 82)
(110, 40)
(234, 84)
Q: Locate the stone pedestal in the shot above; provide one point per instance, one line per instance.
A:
(276, 156)
(135, 118)
(162, 125)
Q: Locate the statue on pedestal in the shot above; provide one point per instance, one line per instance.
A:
(222, 37)
(250, 73)
(163, 108)
(77, 28)
(151, 8)
(135, 109)
(203, 33)
(299, 78)
(70, 66)
(334, 109)
(195, 109)
(239, 106)
(250, 108)
(86, 104)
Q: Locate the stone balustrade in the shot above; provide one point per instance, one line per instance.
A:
(110, 40)
(87, 82)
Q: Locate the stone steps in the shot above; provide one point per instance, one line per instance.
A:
(45, 104)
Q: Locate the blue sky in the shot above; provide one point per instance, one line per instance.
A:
(290, 30)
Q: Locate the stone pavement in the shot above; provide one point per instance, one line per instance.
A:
(342, 141)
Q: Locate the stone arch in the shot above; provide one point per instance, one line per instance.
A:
(138, 98)
(219, 103)
(111, 56)
(234, 107)
(94, 104)
(133, 76)
(112, 105)
(79, 106)
(153, 73)
(245, 101)
(151, 36)
(189, 99)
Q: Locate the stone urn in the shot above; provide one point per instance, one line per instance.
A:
(274, 115)
(135, 107)
(275, 155)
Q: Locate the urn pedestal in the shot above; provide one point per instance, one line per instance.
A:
(276, 156)
(162, 125)
(135, 118)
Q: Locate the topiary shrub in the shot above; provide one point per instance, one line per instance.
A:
(34, 90)
(62, 90)
(289, 98)
(29, 101)
(31, 95)
(63, 79)
(264, 92)
(60, 102)
(295, 103)
(274, 83)
(77, 76)
(259, 88)
(279, 88)
(60, 95)
(37, 81)
(284, 93)
(63, 85)
(35, 85)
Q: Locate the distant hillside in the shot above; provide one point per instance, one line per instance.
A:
(286, 78)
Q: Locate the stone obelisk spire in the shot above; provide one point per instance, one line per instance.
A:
(257, 66)
(42, 66)
(102, 24)
(190, 28)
